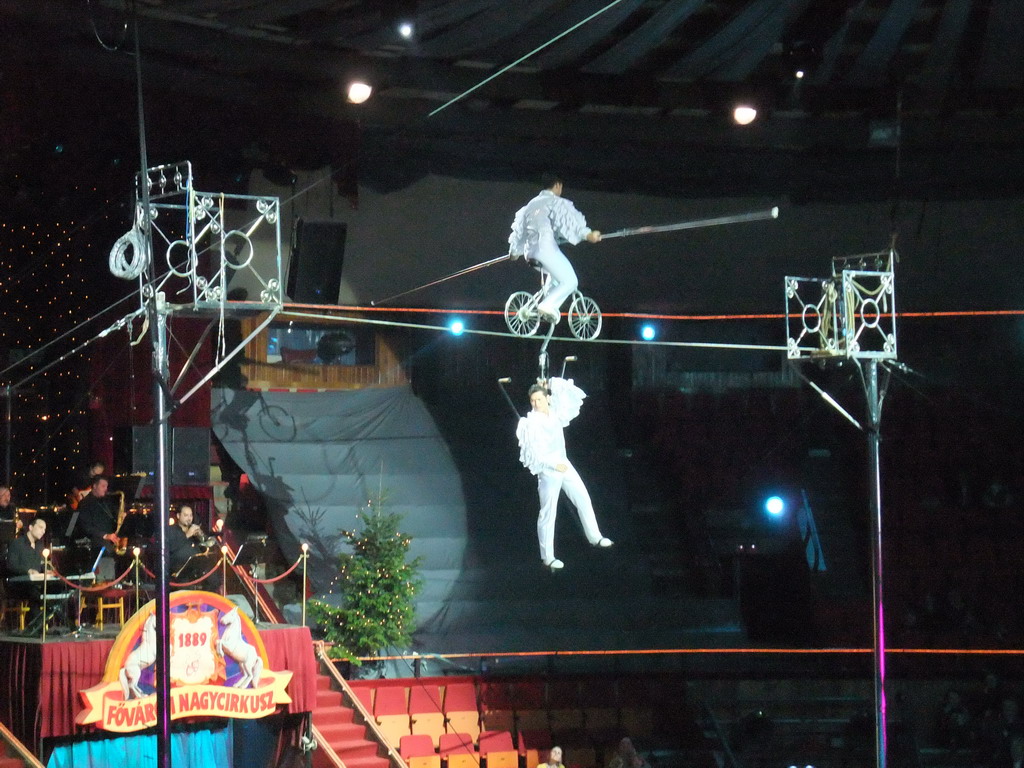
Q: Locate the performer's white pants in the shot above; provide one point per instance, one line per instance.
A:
(549, 484)
(563, 276)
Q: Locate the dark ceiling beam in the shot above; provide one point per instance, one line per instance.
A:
(569, 14)
(570, 47)
(269, 12)
(428, 23)
(642, 40)
(826, 71)
(724, 45)
(488, 29)
(768, 34)
(945, 47)
(1002, 57)
(872, 67)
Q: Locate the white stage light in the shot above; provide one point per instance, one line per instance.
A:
(744, 114)
(358, 92)
(405, 29)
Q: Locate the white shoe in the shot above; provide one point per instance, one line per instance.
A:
(604, 543)
(549, 315)
(554, 565)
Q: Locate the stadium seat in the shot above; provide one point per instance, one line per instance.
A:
(497, 749)
(418, 751)
(425, 711)
(460, 710)
(457, 751)
(390, 710)
(534, 746)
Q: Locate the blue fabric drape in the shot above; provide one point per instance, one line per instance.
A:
(190, 749)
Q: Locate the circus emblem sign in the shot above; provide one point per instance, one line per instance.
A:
(218, 668)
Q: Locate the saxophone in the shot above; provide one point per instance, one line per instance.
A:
(122, 513)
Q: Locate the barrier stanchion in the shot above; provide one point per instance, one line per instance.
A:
(305, 567)
(223, 570)
(46, 570)
(136, 552)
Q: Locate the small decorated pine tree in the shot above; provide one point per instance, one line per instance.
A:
(377, 585)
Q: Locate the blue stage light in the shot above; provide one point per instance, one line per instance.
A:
(648, 332)
(774, 506)
(456, 327)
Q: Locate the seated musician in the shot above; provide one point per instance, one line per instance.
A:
(10, 523)
(83, 485)
(186, 547)
(95, 517)
(25, 558)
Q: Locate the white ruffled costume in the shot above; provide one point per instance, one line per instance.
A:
(538, 228)
(541, 449)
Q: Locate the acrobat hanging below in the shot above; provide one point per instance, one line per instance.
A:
(542, 451)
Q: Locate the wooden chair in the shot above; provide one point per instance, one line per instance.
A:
(109, 602)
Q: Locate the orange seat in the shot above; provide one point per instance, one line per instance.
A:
(390, 710)
(425, 711)
(460, 709)
(418, 751)
(457, 750)
(534, 746)
(497, 749)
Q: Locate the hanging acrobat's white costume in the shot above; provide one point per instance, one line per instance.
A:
(542, 451)
(538, 228)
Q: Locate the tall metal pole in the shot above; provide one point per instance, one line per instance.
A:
(8, 437)
(158, 321)
(875, 489)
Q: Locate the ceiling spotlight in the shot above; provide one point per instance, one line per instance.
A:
(405, 29)
(799, 74)
(744, 114)
(457, 327)
(358, 92)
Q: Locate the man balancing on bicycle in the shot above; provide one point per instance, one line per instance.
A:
(538, 228)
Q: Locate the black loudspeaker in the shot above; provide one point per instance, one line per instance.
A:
(775, 596)
(318, 251)
(189, 453)
(190, 456)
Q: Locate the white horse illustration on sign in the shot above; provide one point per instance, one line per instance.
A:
(232, 643)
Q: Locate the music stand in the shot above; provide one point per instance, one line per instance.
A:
(251, 552)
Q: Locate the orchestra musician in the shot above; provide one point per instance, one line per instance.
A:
(83, 486)
(98, 521)
(186, 546)
(25, 558)
(8, 514)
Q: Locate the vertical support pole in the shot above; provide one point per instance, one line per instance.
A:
(8, 437)
(158, 322)
(875, 491)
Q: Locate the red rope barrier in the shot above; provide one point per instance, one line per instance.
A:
(98, 588)
(254, 580)
(204, 577)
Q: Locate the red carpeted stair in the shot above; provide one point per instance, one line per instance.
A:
(348, 739)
